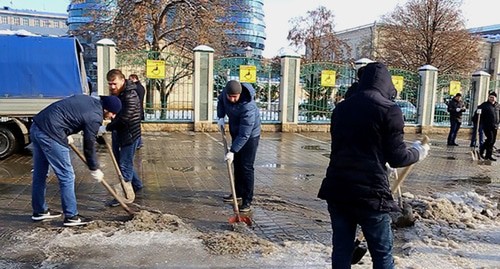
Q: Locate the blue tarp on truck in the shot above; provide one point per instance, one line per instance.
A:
(40, 67)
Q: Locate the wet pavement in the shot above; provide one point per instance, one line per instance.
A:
(184, 174)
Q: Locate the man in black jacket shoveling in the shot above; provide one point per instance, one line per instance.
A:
(367, 133)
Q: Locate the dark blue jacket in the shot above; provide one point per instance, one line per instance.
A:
(244, 119)
(367, 132)
(72, 115)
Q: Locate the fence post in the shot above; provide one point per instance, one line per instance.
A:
(427, 96)
(203, 85)
(289, 92)
(106, 60)
(480, 89)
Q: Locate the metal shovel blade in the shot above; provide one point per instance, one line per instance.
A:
(236, 219)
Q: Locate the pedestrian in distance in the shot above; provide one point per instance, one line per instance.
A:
(237, 102)
(125, 128)
(50, 135)
(366, 132)
(141, 92)
(455, 107)
(489, 123)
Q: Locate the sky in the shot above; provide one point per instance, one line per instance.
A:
(348, 14)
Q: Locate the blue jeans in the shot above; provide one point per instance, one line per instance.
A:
(454, 127)
(376, 227)
(125, 157)
(244, 170)
(46, 151)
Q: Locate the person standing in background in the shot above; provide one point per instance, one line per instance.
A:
(455, 108)
(489, 122)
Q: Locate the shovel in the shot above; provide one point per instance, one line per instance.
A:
(106, 185)
(476, 156)
(123, 188)
(237, 217)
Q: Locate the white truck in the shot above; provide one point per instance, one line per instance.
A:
(35, 71)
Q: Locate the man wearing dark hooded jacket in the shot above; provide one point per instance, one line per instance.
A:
(367, 133)
(237, 102)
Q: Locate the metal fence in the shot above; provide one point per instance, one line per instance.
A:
(408, 93)
(444, 95)
(169, 99)
(267, 83)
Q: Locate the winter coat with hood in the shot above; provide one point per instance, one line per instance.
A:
(127, 123)
(244, 118)
(367, 132)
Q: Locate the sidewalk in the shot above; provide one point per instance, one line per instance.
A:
(185, 175)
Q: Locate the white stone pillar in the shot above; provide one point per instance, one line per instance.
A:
(427, 96)
(480, 89)
(289, 90)
(106, 60)
(203, 87)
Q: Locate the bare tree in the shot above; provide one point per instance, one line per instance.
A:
(166, 30)
(428, 32)
(315, 32)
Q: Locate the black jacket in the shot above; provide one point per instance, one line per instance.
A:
(127, 123)
(70, 116)
(141, 92)
(367, 132)
(452, 109)
(489, 115)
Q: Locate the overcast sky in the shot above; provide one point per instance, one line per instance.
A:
(348, 14)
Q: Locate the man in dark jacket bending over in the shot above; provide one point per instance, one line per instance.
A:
(50, 136)
(367, 133)
(237, 102)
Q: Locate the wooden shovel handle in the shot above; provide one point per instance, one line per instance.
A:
(406, 171)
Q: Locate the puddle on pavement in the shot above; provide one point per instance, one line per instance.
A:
(273, 165)
(312, 147)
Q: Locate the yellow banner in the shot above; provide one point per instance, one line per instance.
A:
(155, 69)
(248, 73)
(398, 82)
(328, 78)
(455, 87)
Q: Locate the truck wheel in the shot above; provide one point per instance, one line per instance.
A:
(8, 144)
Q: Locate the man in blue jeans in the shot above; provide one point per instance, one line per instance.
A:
(367, 132)
(237, 102)
(125, 127)
(50, 136)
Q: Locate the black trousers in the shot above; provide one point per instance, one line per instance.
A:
(244, 171)
(491, 136)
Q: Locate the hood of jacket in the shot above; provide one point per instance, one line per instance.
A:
(376, 77)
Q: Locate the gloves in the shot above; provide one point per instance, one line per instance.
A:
(101, 131)
(458, 109)
(97, 175)
(220, 123)
(390, 171)
(229, 157)
(423, 149)
(70, 140)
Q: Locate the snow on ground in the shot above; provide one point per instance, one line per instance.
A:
(452, 230)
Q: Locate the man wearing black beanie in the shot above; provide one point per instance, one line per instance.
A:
(237, 102)
(50, 135)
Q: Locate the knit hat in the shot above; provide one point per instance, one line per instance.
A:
(111, 103)
(233, 87)
(493, 94)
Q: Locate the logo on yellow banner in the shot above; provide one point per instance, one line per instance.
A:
(248, 73)
(328, 78)
(155, 69)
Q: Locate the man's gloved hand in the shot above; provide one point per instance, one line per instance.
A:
(70, 140)
(423, 149)
(390, 171)
(101, 131)
(98, 175)
(229, 157)
(458, 109)
(220, 123)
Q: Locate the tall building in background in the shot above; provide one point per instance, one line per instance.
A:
(36, 22)
(250, 26)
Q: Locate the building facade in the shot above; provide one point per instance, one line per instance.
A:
(250, 30)
(36, 22)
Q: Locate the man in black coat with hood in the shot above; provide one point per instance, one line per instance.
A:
(367, 132)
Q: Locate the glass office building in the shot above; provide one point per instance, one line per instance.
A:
(250, 26)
